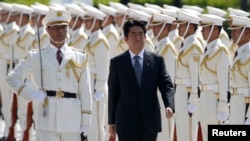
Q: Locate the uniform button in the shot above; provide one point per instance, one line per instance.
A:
(59, 70)
(59, 79)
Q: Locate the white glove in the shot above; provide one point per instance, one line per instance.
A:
(247, 122)
(38, 95)
(222, 116)
(192, 108)
(85, 129)
(98, 96)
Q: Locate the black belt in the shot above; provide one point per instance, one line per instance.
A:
(61, 94)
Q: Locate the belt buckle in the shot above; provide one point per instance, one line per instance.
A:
(59, 94)
(204, 87)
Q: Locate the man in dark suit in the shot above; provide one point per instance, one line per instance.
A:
(133, 105)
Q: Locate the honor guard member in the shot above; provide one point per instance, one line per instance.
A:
(240, 76)
(173, 33)
(61, 76)
(78, 37)
(108, 27)
(223, 35)
(40, 12)
(161, 25)
(98, 53)
(214, 75)
(121, 15)
(21, 47)
(235, 12)
(186, 96)
(9, 101)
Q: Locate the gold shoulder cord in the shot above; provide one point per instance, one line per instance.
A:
(169, 47)
(239, 65)
(91, 48)
(74, 65)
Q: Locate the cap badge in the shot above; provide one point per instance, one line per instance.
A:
(59, 13)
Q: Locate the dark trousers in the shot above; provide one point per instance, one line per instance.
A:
(141, 135)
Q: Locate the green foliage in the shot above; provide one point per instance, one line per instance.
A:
(26, 2)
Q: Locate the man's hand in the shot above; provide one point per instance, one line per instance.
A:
(112, 131)
(169, 112)
(38, 95)
(98, 96)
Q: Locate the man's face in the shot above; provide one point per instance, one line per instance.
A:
(136, 38)
(88, 23)
(205, 31)
(57, 33)
(235, 33)
(182, 28)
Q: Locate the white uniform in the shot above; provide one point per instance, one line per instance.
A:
(78, 38)
(64, 115)
(43, 38)
(98, 54)
(240, 84)
(21, 47)
(112, 36)
(167, 50)
(7, 97)
(187, 82)
(214, 74)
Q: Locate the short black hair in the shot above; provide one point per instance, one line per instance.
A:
(131, 23)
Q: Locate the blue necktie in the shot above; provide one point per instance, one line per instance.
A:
(138, 69)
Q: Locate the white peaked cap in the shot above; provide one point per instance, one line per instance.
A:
(170, 12)
(161, 18)
(135, 6)
(237, 12)
(75, 10)
(42, 10)
(192, 7)
(94, 12)
(239, 21)
(121, 8)
(154, 6)
(166, 6)
(6, 6)
(216, 11)
(150, 10)
(57, 17)
(139, 15)
(184, 17)
(107, 9)
(210, 19)
(22, 8)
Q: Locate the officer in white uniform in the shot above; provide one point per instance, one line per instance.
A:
(161, 25)
(214, 75)
(108, 27)
(223, 35)
(240, 74)
(61, 76)
(78, 37)
(9, 102)
(21, 46)
(186, 96)
(98, 53)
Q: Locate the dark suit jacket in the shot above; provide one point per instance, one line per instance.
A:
(126, 100)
